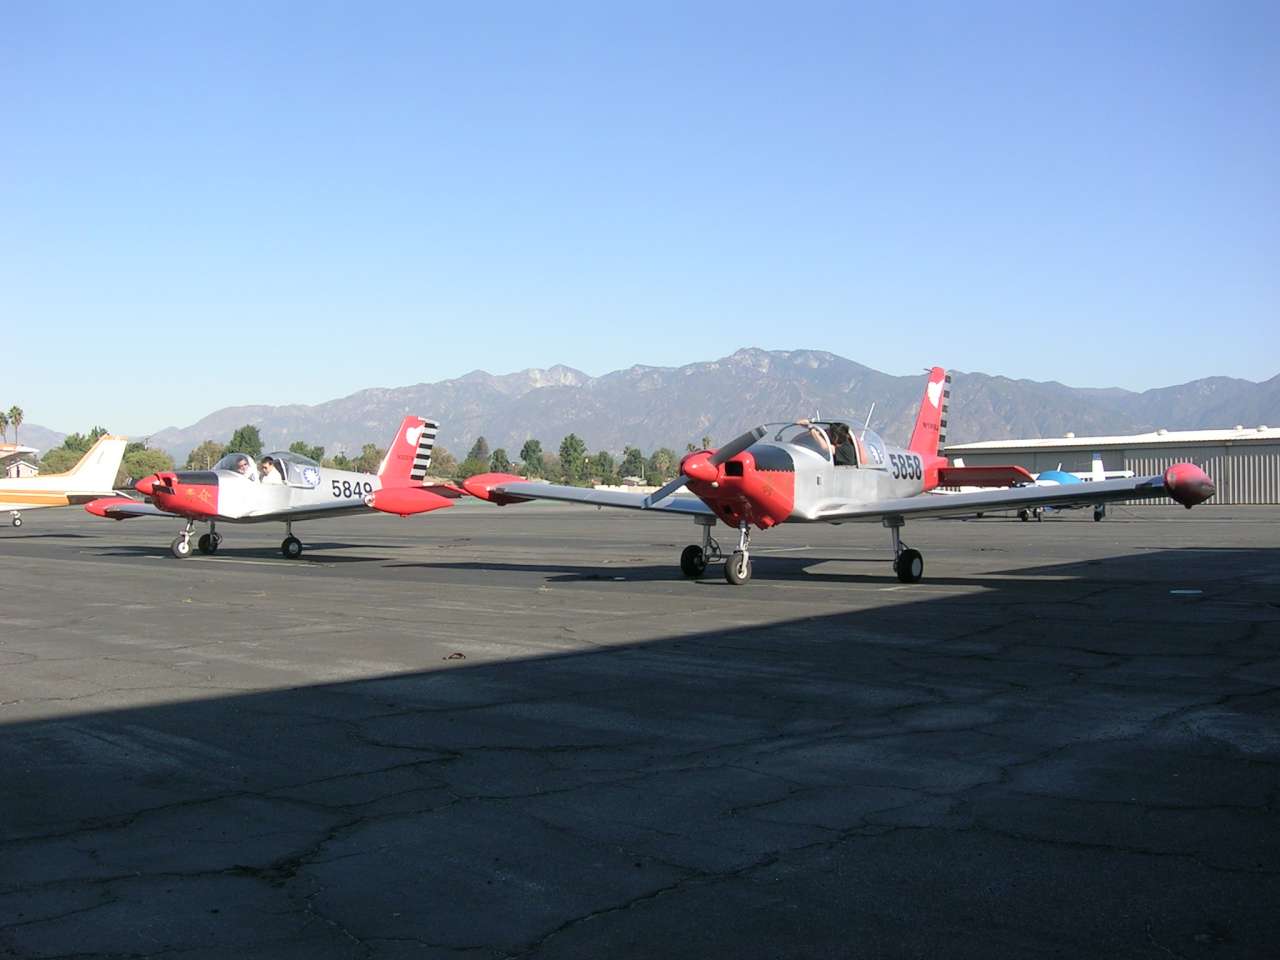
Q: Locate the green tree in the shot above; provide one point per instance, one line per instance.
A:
(632, 462)
(339, 461)
(74, 446)
(603, 467)
(499, 462)
(573, 458)
(369, 460)
(662, 465)
(531, 457)
(4, 426)
(246, 440)
(15, 418)
(470, 467)
(443, 463)
(479, 450)
(80, 443)
(304, 449)
(205, 455)
(138, 462)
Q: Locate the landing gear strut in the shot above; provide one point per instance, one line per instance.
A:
(737, 569)
(908, 564)
(694, 558)
(181, 546)
(16, 517)
(290, 546)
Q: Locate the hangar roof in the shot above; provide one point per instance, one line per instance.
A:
(1237, 434)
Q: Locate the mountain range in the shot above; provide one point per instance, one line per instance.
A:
(651, 407)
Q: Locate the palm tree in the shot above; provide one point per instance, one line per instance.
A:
(4, 425)
(15, 417)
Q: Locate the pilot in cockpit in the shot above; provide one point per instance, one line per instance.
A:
(245, 468)
(269, 472)
(843, 451)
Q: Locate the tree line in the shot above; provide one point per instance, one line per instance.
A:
(571, 463)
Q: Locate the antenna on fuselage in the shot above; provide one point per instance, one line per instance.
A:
(869, 413)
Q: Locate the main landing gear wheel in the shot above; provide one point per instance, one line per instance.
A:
(181, 547)
(737, 569)
(1024, 515)
(208, 543)
(17, 520)
(291, 548)
(693, 562)
(1099, 512)
(909, 566)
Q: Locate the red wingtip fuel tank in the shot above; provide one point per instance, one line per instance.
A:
(187, 493)
(1188, 484)
(404, 501)
(481, 487)
(757, 485)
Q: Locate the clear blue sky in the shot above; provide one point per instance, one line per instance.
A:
(219, 203)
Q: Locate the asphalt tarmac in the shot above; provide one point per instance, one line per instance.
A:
(520, 732)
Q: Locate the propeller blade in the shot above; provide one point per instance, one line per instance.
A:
(665, 491)
(736, 446)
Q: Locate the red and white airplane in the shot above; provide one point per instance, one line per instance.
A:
(294, 488)
(825, 472)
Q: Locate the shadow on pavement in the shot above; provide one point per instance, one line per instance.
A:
(974, 776)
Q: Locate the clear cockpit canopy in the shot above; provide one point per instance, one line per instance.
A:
(293, 468)
(240, 463)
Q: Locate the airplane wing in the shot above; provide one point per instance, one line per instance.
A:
(514, 490)
(962, 504)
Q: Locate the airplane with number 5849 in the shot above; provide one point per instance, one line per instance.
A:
(291, 489)
(828, 472)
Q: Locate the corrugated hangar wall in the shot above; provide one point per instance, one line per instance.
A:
(1244, 472)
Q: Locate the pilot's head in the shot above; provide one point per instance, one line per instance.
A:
(243, 465)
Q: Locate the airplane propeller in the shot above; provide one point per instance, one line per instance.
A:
(702, 466)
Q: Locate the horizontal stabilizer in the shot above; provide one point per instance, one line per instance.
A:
(994, 476)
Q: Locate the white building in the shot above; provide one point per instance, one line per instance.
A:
(1244, 462)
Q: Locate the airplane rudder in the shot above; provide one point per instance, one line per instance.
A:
(409, 456)
(930, 432)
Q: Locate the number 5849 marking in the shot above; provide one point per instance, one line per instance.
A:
(906, 466)
(347, 489)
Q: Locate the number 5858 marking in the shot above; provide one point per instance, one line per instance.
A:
(906, 466)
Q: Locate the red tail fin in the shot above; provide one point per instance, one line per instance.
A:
(409, 455)
(931, 422)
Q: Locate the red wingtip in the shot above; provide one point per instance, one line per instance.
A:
(1188, 484)
(481, 486)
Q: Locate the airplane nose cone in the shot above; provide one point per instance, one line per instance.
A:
(699, 467)
(1188, 484)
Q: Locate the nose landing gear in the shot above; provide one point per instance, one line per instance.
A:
(737, 569)
(181, 546)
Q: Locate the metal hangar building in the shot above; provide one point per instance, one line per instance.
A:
(1244, 462)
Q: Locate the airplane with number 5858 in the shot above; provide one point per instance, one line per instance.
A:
(292, 488)
(828, 472)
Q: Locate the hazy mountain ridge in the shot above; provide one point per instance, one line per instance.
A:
(671, 406)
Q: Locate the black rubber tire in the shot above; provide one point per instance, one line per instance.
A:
(205, 544)
(17, 521)
(737, 569)
(1099, 513)
(692, 562)
(909, 566)
(1024, 516)
(180, 548)
(291, 548)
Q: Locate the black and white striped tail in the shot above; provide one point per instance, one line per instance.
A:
(942, 423)
(422, 456)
